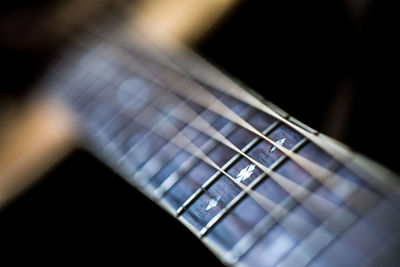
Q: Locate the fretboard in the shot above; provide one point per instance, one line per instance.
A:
(257, 187)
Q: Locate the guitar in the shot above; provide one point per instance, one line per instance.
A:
(257, 186)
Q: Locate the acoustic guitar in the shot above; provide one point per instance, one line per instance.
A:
(254, 184)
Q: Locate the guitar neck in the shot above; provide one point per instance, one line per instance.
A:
(257, 186)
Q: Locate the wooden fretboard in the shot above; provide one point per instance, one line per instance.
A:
(144, 113)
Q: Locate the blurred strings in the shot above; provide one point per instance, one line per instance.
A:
(203, 126)
(203, 98)
(165, 128)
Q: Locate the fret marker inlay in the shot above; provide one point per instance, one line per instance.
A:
(279, 142)
(245, 173)
(135, 92)
(213, 203)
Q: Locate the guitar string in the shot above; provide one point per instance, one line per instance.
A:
(182, 141)
(293, 189)
(296, 191)
(320, 173)
(214, 165)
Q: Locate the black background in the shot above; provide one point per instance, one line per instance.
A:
(298, 54)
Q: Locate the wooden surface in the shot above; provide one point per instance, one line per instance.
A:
(34, 138)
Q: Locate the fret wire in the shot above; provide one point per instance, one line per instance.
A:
(315, 237)
(130, 124)
(324, 246)
(157, 192)
(153, 129)
(132, 117)
(340, 231)
(251, 240)
(77, 41)
(227, 165)
(105, 87)
(262, 227)
(173, 178)
(234, 202)
(75, 94)
(98, 56)
(148, 177)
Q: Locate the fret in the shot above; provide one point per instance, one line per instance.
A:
(370, 233)
(181, 164)
(319, 238)
(170, 181)
(84, 86)
(142, 151)
(359, 196)
(220, 215)
(197, 213)
(161, 159)
(132, 127)
(227, 165)
(131, 114)
(187, 179)
(231, 226)
(177, 192)
(332, 230)
(196, 140)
